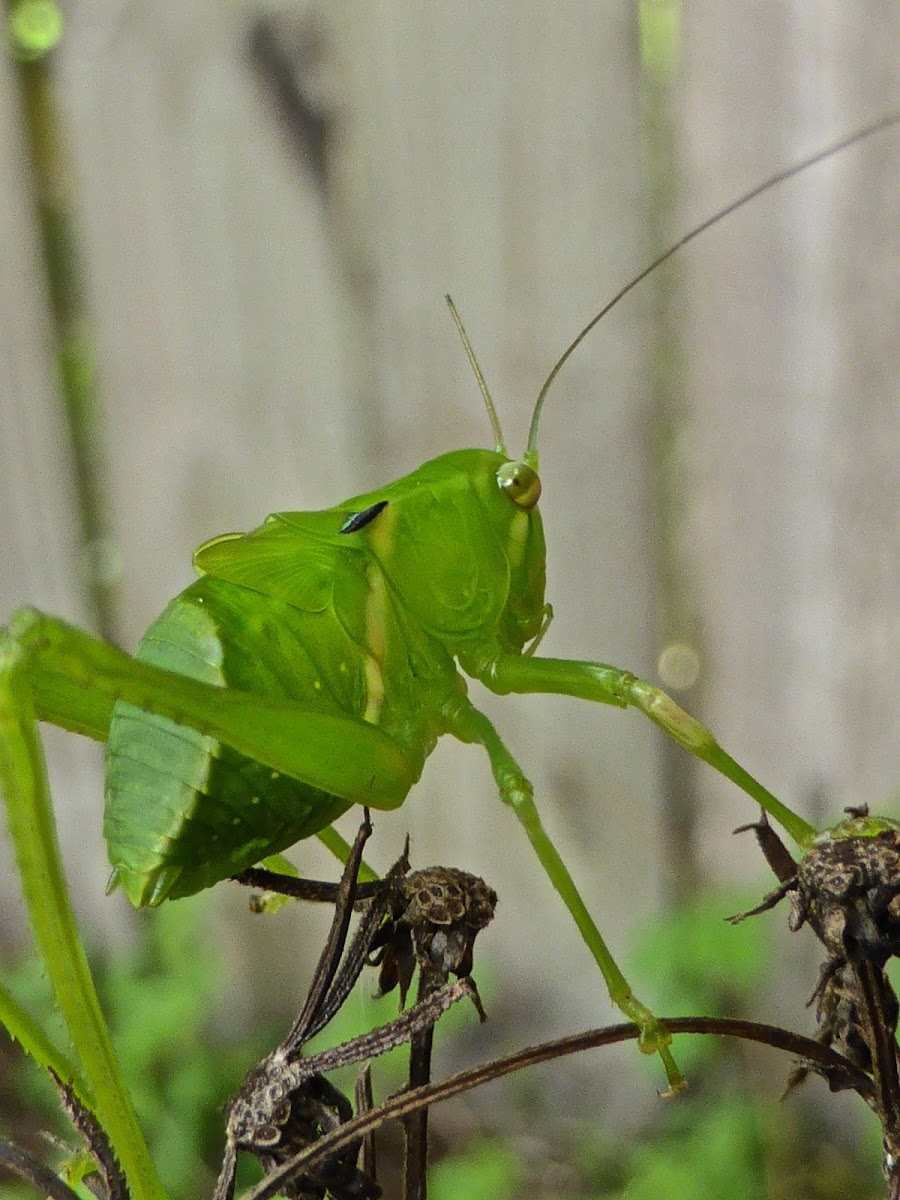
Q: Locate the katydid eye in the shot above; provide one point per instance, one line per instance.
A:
(520, 483)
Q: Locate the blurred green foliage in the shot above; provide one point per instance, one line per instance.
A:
(35, 27)
(486, 1170)
(160, 995)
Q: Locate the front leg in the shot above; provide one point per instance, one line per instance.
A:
(609, 685)
(469, 725)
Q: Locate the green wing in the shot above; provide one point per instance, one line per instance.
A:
(293, 557)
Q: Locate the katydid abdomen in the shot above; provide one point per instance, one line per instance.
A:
(183, 810)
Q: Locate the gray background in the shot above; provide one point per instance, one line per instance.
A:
(719, 460)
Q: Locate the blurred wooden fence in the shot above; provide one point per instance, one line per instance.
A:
(264, 289)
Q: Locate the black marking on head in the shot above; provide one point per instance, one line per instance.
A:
(360, 520)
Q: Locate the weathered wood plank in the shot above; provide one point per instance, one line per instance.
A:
(791, 320)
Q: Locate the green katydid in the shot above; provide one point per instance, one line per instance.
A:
(316, 662)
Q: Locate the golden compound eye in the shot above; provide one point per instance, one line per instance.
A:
(520, 483)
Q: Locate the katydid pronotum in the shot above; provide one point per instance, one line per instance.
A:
(314, 665)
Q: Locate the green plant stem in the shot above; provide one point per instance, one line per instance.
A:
(24, 780)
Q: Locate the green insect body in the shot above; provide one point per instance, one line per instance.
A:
(362, 622)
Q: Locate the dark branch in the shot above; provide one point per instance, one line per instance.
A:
(409, 1102)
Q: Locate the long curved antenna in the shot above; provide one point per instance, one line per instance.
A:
(486, 395)
(531, 455)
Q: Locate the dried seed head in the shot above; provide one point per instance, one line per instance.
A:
(847, 888)
(446, 896)
(849, 891)
(437, 914)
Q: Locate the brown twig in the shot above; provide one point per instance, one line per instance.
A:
(115, 1186)
(408, 1102)
(31, 1170)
